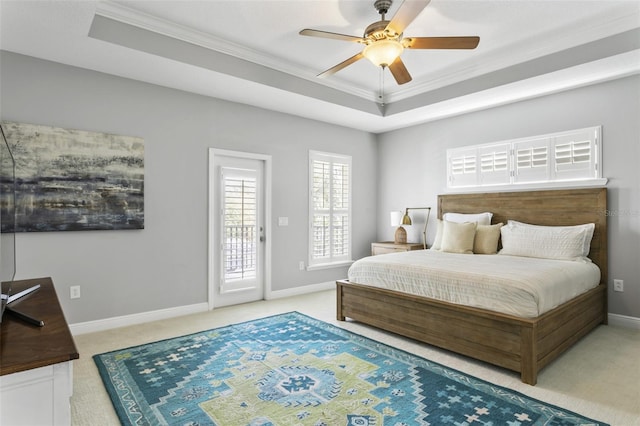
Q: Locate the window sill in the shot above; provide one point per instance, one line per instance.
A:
(567, 184)
(329, 265)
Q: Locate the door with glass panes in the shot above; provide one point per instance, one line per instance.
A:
(238, 248)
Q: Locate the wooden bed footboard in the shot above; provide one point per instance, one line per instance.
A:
(518, 344)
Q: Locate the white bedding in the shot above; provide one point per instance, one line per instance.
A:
(519, 286)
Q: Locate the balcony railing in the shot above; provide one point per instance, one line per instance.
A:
(240, 252)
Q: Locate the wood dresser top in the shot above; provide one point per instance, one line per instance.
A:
(24, 346)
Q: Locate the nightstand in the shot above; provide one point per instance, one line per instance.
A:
(391, 247)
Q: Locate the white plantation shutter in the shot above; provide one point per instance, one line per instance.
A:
(330, 208)
(554, 158)
(575, 155)
(462, 167)
(479, 165)
(239, 216)
(495, 164)
(531, 160)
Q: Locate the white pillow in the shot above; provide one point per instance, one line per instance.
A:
(479, 218)
(589, 228)
(486, 241)
(547, 242)
(458, 237)
(437, 243)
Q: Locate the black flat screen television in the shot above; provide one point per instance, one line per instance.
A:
(7, 220)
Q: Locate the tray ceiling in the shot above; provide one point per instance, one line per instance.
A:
(251, 52)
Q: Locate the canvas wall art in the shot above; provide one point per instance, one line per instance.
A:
(74, 180)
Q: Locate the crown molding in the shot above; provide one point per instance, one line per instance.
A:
(600, 71)
(129, 16)
(515, 53)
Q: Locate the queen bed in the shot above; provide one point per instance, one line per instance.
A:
(523, 330)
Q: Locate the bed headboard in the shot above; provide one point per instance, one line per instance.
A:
(554, 207)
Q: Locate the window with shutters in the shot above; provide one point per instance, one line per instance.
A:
(330, 209)
(557, 159)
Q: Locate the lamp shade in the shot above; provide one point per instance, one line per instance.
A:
(396, 217)
(382, 53)
(406, 219)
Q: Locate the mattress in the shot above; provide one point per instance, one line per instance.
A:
(521, 286)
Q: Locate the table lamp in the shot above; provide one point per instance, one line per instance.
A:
(401, 234)
(406, 220)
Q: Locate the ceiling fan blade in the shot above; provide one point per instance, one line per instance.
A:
(441, 42)
(341, 65)
(327, 34)
(399, 71)
(405, 15)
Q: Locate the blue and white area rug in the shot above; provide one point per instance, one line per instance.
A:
(291, 369)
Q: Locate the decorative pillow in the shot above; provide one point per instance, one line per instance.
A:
(437, 243)
(589, 228)
(486, 241)
(547, 242)
(458, 237)
(479, 218)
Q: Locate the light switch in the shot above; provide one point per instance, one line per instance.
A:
(283, 221)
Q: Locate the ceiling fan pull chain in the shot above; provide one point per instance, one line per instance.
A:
(381, 94)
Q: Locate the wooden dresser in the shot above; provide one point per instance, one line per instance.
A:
(36, 368)
(391, 247)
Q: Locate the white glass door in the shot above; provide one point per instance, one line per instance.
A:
(238, 221)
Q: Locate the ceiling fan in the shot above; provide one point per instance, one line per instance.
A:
(384, 41)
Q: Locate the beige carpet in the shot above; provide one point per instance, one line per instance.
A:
(598, 378)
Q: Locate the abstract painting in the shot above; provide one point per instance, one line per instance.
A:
(74, 180)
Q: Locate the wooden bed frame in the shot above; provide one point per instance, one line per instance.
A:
(525, 345)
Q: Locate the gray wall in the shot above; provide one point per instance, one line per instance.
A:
(165, 265)
(412, 163)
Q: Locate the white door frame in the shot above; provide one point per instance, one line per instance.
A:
(213, 209)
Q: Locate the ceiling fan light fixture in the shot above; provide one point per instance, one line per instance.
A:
(382, 53)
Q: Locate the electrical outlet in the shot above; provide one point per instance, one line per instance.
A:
(301, 265)
(74, 292)
(618, 285)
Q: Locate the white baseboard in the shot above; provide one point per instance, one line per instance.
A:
(296, 291)
(125, 320)
(624, 321)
